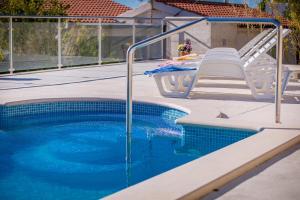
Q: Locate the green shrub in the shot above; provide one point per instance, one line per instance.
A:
(1, 55)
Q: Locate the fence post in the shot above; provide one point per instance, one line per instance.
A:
(133, 32)
(100, 42)
(59, 62)
(11, 62)
(133, 35)
(162, 42)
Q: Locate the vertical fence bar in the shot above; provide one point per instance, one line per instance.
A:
(133, 32)
(133, 35)
(11, 61)
(166, 40)
(100, 42)
(162, 42)
(59, 62)
(248, 26)
(278, 92)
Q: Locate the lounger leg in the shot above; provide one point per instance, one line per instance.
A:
(176, 85)
(287, 75)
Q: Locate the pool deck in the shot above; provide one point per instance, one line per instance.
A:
(210, 98)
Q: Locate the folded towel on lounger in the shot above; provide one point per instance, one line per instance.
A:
(171, 62)
(169, 68)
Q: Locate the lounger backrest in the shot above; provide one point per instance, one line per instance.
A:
(264, 49)
(253, 42)
(258, 45)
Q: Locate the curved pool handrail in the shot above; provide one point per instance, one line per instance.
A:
(178, 29)
(181, 28)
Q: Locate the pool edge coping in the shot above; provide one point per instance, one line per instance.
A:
(172, 184)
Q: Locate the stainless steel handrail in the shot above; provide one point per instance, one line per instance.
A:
(164, 35)
(130, 53)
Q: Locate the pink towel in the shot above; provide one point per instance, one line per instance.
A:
(170, 62)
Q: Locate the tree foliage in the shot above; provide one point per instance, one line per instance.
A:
(292, 13)
(33, 7)
(27, 37)
(294, 16)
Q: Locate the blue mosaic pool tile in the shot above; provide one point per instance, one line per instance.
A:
(90, 106)
(66, 109)
(115, 110)
(207, 139)
(1, 115)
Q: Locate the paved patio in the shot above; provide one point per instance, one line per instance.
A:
(276, 179)
(208, 99)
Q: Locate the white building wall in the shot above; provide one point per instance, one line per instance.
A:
(203, 36)
(244, 35)
(223, 35)
(198, 34)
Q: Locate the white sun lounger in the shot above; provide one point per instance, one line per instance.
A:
(227, 62)
(249, 63)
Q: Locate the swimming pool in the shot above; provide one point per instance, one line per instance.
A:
(76, 149)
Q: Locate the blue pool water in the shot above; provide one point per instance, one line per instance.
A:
(76, 150)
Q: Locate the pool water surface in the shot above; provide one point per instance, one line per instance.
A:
(81, 154)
